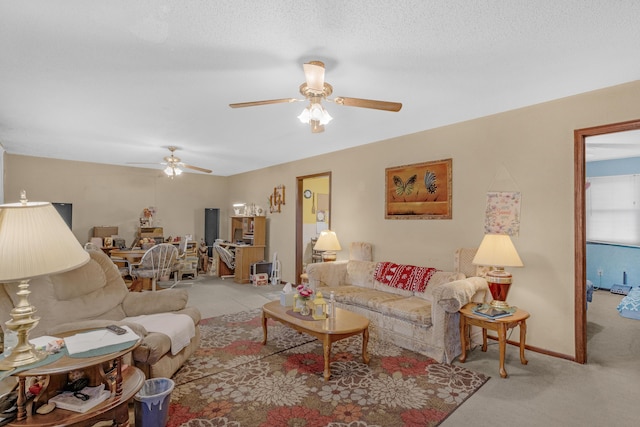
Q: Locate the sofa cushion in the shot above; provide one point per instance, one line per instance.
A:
(340, 292)
(78, 282)
(168, 300)
(90, 303)
(360, 273)
(377, 285)
(413, 309)
(361, 251)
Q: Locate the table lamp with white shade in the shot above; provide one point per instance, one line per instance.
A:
(497, 251)
(327, 243)
(34, 241)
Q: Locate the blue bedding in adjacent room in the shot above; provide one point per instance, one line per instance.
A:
(630, 305)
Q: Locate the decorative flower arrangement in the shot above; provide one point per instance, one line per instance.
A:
(149, 212)
(304, 292)
(147, 216)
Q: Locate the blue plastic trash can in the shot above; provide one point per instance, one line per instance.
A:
(151, 403)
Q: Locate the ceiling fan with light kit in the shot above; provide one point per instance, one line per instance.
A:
(174, 165)
(315, 89)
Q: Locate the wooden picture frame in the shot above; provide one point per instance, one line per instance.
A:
(419, 191)
(276, 200)
(108, 242)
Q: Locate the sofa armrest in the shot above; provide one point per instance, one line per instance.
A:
(330, 274)
(165, 301)
(94, 324)
(454, 295)
(445, 319)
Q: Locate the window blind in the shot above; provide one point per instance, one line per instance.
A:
(613, 209)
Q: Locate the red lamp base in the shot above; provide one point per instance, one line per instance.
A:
(499, 283)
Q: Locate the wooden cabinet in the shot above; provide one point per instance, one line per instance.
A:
(249, 237)
(251, 230)
(245, 256)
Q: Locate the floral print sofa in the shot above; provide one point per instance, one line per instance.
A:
(426, 322)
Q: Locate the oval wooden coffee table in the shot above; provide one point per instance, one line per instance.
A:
(327, 331)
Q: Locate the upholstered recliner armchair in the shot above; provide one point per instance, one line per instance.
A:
(95, 295)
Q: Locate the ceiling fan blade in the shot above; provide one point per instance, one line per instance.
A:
(314, 75)
(196, 168)
(368, 103)
(267, 102)
(144, 163)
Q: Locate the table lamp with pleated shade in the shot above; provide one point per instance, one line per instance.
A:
(328, 243)
(497, 251)
(34, 241)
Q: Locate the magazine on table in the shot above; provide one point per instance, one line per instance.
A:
(87, 341)
(491, 312)
(83, 400)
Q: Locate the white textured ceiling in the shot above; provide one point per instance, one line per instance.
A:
(119, 81)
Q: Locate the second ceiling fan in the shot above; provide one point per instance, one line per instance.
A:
(174, 165)
(315, 89)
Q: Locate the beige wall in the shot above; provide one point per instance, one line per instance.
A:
(528, 150)
(116, 195)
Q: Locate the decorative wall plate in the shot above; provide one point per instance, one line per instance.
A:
(307, 194)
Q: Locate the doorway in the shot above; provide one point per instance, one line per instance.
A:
(313, 214)
(580, 136)
(211, 228)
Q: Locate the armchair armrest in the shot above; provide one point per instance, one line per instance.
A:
(94, 324)
(327, 273)
(168, 300)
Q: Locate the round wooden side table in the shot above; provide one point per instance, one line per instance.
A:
(501, 325)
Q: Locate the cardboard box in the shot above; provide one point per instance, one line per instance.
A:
(151, 232)
(105, 231)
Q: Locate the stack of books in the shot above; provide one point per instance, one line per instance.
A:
(490, 312)
(83, 400)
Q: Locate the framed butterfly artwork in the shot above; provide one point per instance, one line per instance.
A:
(419, 191)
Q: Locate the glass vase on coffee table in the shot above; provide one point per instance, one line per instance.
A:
(305, 310)
(302, 297)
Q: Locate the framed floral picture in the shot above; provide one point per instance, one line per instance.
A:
(419, 191)
(502, 215)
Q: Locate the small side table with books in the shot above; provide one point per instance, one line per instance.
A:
(104, 370)
(474, 315)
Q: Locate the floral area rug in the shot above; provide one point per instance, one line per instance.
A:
(234, 380)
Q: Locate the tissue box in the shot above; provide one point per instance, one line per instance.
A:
(286, 299)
